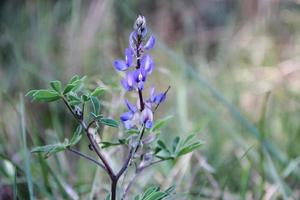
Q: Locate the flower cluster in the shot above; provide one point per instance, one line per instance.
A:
(138, 65)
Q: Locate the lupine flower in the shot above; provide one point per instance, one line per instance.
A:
(135, 78)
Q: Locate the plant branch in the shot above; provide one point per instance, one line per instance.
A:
(86, 157)
(92, 142)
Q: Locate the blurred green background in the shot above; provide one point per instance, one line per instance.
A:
(234, 69)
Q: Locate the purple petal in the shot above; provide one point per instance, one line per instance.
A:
(159, 98)
(126, 116)
(128, 57)
(140, 75)
(131, 107)
(150, 43)
(148, 124)
(128, 124)
(146, 115)
(152, 94)
(147, 63)
(125, 85)
(120, 65)
(133, 39)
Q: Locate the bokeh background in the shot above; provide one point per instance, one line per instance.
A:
(234, 71)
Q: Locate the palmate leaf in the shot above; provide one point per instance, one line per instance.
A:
(179, 147)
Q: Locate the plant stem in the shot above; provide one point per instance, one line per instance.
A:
(86, 157)
(92, 142)
(114, 183)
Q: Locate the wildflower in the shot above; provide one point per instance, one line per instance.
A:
(135, 78)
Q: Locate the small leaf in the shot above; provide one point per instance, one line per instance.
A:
(189, 148)
(97, 92)
(45, 95)
(73, 99)
(76, 136)
(109, 144)
(162, 144)
(56, 85)
(31, 93)
(161, 122)
(175, 144)
(109, 122)
(50, 149)
(68, 88)
(74, 78)
(96, 105)
(85, 97)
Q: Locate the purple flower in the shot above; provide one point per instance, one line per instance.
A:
(128, 118)
(157, 98)
(122, 65)
(147, 117)
(135, 79)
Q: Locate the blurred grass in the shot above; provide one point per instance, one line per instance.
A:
(220, 58)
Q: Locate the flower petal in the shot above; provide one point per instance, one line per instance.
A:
(146, 115)
(128, 56)
(152, 94)
(128, 124)
(150, 43)
(132, 40)
(148, 124)
(147, 63)
(131, 107)
(120, 65)
(159, 98)
(126, 116)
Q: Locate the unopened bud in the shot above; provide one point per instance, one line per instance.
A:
(140, 26)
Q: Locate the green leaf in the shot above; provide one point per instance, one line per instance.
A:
(30, 93)
(50, 149)
(154, 193)
(107, 197)
(175, 144)
(72, 86)
(161, 122)
(68, 88)
(45, 95)
(97, 92)
(56, 85)
(109, 122)
(109, 144)
(76, 136)
(189, 148)
(85, 97)
(73, 99)
(96, 105)
(162, 145)
(74, 78)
